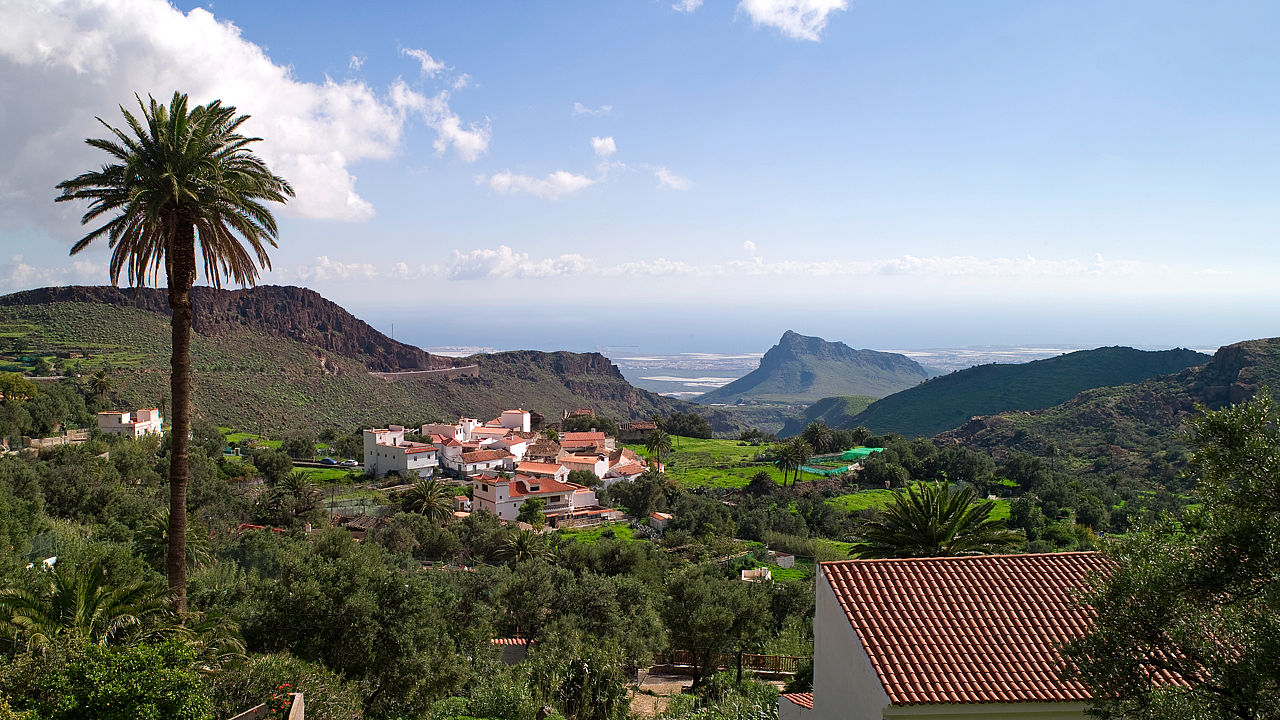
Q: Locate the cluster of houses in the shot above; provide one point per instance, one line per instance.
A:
(506, 464)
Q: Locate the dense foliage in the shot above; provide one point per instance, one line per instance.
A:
(1194, 602)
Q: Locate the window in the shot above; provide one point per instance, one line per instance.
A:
(484, 488)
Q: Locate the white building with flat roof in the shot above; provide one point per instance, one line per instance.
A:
(133, 424)
(386, 450)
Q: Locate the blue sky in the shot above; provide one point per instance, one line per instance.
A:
(578, 175)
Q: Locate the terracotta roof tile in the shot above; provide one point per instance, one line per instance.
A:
(967, 629)
(804, 700)
(484, 456)
(537, 468)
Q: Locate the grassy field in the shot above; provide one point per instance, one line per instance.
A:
(326, 475)
(696, 462)
(621, 531)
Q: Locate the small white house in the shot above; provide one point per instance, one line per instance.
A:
(504, 497)
(659, 520)
(130, 424)
(477, 460)
(597, 465)
(959, 638)
(386, 450)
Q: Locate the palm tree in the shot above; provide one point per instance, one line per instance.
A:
(151, 541)
(800, 452)
(100, 384)
(790, 456)
(933, 520)
(431, 498)
(176, 176)
(84, 604)
(818, 435)
(521, 546)
(657, 442)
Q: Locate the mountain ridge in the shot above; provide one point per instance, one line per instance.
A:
(946, 402)
(804, 368)
(253, 366)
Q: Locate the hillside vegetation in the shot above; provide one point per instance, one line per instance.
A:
(947, 402)
(1129, 430)
(246, 378)
(807, 369)
(836, 412)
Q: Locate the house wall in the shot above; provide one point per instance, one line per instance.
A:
(845, 685)
(515, 420)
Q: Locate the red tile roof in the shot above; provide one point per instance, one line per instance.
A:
(484, 456)
(804, 700)
(524, 486)
(967, 629)
(537, 468)
(581, 437)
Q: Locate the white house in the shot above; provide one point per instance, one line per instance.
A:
(554, 471)
(598, 465)
(477, 460)
(513, 443)
(517, 419)
(130, 424)
(386, 450)
(504, 497)
(958, 638)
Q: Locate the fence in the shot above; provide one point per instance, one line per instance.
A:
(767, 664)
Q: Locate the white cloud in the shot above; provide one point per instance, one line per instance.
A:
(749, 246)
(506, 263)
(463, 80)
(798, 19)
(75, 59)
(552, 187)
(687, 6)
(670, 180)
(430, 66)
(323, 268)
(580, 109)
(603, 147)
(356, 63)
(468, 141)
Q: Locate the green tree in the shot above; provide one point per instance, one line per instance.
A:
(328, 695)
(72, 681)
(178, 176)
(531, 512)
(657, 442)
(585, 478)
(934, 520)
(299, 445)
(1199, 598)
(707, 614)
(430, 498)
(83, 604)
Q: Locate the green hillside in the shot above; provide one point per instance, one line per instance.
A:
(949, 401)
(835, 412)
(1129, 430)
(247, 379)
(807, 369)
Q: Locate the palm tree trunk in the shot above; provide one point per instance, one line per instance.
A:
(182, 270)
